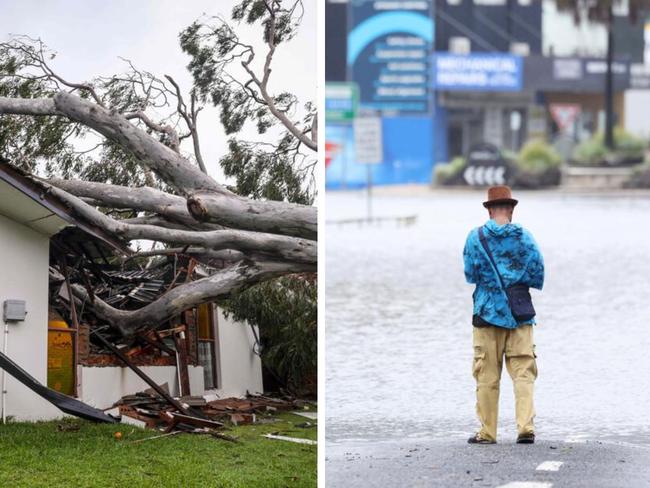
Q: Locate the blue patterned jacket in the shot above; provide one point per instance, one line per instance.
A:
(519, 261)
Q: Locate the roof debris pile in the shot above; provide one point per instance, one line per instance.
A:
(123, 283)
(201, 415)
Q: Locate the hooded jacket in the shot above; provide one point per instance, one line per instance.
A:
(519, 261)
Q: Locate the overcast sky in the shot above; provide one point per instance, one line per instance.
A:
(91, 35)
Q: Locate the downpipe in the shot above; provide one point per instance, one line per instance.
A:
(4, 376)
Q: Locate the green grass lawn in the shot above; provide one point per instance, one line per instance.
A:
(42, 455)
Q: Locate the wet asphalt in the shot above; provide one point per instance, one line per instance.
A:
(590, 464)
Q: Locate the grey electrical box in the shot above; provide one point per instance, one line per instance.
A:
(14, 311)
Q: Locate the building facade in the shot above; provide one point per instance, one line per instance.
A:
(497, 71)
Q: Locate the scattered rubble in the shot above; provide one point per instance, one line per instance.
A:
(148, 409)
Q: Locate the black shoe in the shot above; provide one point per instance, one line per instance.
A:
(475, 439)
(526, 438)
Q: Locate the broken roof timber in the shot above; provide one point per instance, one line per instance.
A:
(13, 178)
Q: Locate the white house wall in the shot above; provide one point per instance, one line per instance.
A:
(24, 261)
(102, 387)
(239, 368)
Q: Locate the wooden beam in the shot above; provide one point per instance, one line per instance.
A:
(175, 403)
(181, 363)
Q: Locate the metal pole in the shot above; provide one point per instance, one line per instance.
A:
(4, 376)
(344, 146)
(609, 84)
(369, 202)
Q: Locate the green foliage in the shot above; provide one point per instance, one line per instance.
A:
(27, 141)
(444, 172)
(264, 174)
(40, 455)
(537, 156)
(590, 151)
(285, 310)
(594, 151)
(627, 144)
(52, 146)
(222, 67)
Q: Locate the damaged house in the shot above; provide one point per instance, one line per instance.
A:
(46, 250)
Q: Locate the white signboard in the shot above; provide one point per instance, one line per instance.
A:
(368, 142)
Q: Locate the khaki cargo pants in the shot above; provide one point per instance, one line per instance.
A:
(490, 346)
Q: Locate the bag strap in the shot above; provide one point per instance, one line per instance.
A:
(484, 243)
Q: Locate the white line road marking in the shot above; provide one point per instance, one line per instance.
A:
(549, 466)
(526, 484)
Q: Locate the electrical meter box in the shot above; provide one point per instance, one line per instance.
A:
(14, 310)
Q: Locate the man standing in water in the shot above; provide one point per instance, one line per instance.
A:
(497, 256)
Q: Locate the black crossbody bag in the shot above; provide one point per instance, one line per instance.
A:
(519, 299)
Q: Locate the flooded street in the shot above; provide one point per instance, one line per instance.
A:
(398, 313)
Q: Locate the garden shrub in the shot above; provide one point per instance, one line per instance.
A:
(449, 171)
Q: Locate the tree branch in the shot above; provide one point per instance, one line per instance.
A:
(28, 106)
(181, 298)
(190, 120)
(284, 248)
(227, 211)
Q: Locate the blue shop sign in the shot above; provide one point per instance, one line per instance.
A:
(389, 54)
(477, 72)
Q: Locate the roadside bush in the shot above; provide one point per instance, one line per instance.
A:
(537, 156)
(537, 165)
(447, 174)
(629, 149)
(590, 151)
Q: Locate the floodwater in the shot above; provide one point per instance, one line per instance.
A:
(398, 310)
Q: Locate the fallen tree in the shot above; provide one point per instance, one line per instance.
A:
(139, 184)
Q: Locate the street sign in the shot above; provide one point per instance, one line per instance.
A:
(368, 142)
(341, 101)
(564, 114)
(331, 149)
(485, 166)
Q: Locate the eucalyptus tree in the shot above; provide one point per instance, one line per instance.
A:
(115, 149)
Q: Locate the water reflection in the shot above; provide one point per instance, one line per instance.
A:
(398, 318)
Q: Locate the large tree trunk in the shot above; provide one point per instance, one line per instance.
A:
(207, 200)
(177, 300)
(259, 239)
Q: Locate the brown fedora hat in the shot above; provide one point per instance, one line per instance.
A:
(498, 195)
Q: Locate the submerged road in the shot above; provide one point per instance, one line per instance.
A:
(400, 394)
(546, 464)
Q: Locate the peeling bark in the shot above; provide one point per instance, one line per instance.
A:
(177, 300)
(266, 216)
(290, 249)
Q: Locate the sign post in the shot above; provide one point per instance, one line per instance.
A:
(369, 149)
(564, 115)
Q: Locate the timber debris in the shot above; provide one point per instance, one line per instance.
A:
(150, 410)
